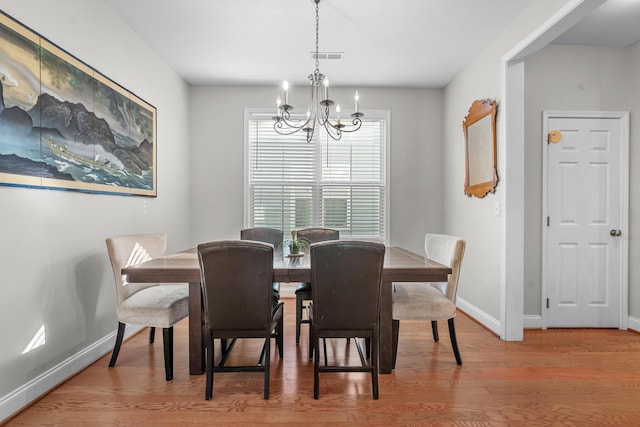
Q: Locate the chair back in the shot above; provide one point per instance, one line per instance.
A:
(236, 279)
(131, 249)
(315, 235)
(273, 236)
(447, 250)
(346, 277)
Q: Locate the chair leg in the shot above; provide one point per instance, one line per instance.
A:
(167, 338)
(316, 365)
(280, 337)
(116, 347)
(298, 316)
(311, 344)
(324, 347)
(454, 341)
(434, 329)
(267, 366)
(374, 364)
(152, 334)
(395, 331)
(209, 368)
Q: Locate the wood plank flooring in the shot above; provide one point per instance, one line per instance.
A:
(556, 377)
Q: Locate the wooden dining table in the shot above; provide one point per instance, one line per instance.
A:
(400, 265)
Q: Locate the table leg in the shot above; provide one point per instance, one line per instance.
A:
(196, 349)
(386, 313)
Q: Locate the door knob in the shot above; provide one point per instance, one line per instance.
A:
(616, 233)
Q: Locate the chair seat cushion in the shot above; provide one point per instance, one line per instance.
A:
(421, 301)
(160, 306)
(303, 288)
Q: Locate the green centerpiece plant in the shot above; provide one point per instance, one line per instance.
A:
(295, 244)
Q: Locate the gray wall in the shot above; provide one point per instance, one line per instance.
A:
(572, 78)
(472, 218)
(217, 157)
(53, 262)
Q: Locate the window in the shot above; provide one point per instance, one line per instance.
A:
(292, 184)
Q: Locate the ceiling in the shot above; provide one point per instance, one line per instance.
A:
(615, 23)
(401, 43)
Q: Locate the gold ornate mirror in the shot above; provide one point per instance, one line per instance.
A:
(481, 174)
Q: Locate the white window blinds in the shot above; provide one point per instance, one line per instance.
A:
(293, 184)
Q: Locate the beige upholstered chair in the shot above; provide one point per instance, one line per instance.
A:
(148, 304)
(431, 301)
(346, 277)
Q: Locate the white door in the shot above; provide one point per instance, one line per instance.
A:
(586, 212)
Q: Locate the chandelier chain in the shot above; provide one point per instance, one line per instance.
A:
(317, 37)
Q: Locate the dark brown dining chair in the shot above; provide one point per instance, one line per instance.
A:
(431, 301)
(303, 290)
(272, 236)
(148, 304)
(237, 303)
(346, 277)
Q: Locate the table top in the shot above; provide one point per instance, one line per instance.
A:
(399, 265)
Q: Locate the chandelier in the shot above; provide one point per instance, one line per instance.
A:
(319, 109)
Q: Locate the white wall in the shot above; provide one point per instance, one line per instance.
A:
(563, 77)
(53, 262)
(472, 218)
(217, 157)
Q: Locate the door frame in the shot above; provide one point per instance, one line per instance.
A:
(623, 117)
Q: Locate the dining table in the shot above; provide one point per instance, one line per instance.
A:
(400, 265)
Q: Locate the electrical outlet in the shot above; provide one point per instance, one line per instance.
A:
(496, 209)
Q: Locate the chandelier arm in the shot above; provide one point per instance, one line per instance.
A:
(311, 131)
(325, 111)
(334, 132)
(277, 126)
(356, 124)
(285, 118)
(291, 127)
(296, 126)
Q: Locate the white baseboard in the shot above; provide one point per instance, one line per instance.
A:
(634, 323)
(535, 322)
(531, 321)
(42, 384)
(479, 316)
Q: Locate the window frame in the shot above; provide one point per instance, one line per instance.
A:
(383, 115)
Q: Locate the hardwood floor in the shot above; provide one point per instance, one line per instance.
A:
(555, 377)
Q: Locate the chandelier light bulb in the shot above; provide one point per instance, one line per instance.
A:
(285, 86)
(326, 88)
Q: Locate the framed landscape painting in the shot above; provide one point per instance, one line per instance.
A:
(64, 125)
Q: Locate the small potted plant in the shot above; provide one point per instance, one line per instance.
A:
(295, 245)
